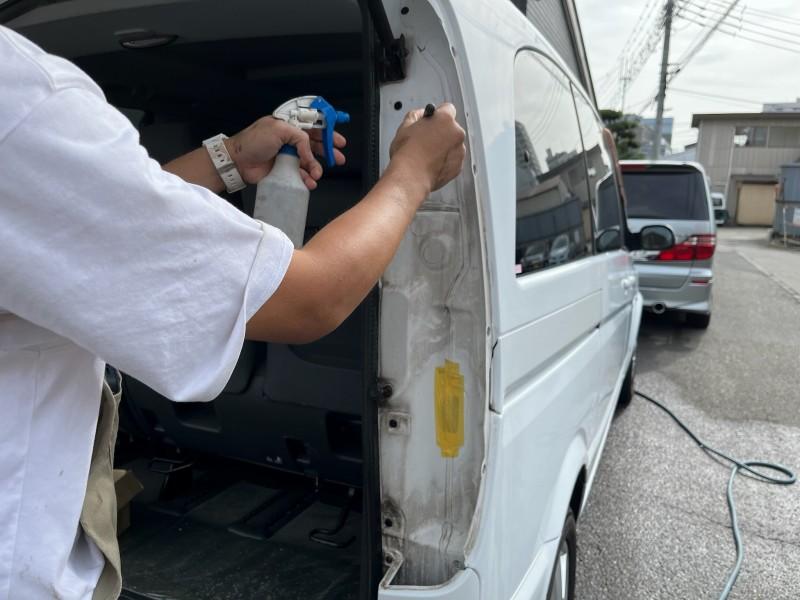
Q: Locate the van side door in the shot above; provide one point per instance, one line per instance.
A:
(616, 264)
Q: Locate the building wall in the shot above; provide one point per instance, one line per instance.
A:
(746, 164)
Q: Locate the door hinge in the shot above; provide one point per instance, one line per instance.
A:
(392, 50)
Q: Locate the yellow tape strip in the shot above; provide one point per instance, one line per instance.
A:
(449, 408)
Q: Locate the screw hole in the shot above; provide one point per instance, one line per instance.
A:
(398, 105)
(404, 10)
(389, 560)
(388, 523)
(392, 423)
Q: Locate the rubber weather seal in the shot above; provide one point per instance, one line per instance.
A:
(371, 533)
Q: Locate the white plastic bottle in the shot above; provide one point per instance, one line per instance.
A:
(282, 197)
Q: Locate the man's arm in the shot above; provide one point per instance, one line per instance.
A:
(331, 275)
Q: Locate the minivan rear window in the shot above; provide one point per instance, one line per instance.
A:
(663, 194)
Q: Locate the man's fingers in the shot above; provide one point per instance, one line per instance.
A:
(447, 107)
(339, 141)
(413, 116)
(310, 182)
(319, 150)
(300, 140)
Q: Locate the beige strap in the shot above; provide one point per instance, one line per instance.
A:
(99, 514)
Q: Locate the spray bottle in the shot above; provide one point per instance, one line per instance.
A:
(282, 197)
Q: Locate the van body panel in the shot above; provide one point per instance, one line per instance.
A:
(465, 585)
(536, 581)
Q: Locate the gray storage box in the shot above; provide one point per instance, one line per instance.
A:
(787, 206)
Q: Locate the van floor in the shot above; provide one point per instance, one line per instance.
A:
(239, 541)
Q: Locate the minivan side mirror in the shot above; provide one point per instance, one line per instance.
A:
(655, 237)
(610, 239)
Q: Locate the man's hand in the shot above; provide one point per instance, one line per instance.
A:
(432, 147)
(254, 149)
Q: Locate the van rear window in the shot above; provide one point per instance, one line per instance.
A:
(669, 195)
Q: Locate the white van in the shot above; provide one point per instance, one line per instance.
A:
(441, 443)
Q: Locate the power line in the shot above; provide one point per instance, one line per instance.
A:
(637, 49)
(737, 34)
(701, 40)
(719, 12)
(639, 57)
(715, 96)
(689, 5)
(764, 14)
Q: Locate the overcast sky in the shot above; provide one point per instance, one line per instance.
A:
(750, 72)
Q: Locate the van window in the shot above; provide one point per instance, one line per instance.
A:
(603, 188)
(672, 194)
(554, 223)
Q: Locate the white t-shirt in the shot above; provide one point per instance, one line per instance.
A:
(103, 257)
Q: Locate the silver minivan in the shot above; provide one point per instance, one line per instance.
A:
(675, 194)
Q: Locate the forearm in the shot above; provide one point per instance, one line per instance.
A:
(356, 248)
(196, 167)
(332, 274)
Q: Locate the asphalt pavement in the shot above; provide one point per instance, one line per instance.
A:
(656, 524)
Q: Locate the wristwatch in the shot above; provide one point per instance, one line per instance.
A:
(224, 163)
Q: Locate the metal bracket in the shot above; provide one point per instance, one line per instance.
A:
(393, 528)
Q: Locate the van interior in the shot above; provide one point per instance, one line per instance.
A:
(259, 493)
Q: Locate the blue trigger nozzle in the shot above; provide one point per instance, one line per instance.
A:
(288, 149)
(332, 118)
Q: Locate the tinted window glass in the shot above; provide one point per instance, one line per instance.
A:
(603, 191)
(671, 195)
(553, 209)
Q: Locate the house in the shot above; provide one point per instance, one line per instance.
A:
(742, 154)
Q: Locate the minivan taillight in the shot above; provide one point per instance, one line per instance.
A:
(696, 247)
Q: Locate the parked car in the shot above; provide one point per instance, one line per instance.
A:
(442, 442)
(679, 278)
(720, 210)
(559, 250)
(535, 256)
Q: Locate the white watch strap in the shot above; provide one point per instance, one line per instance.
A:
(224, 163)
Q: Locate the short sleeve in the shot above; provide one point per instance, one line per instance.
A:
(105, 248)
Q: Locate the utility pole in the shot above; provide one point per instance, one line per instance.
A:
(662, 89)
